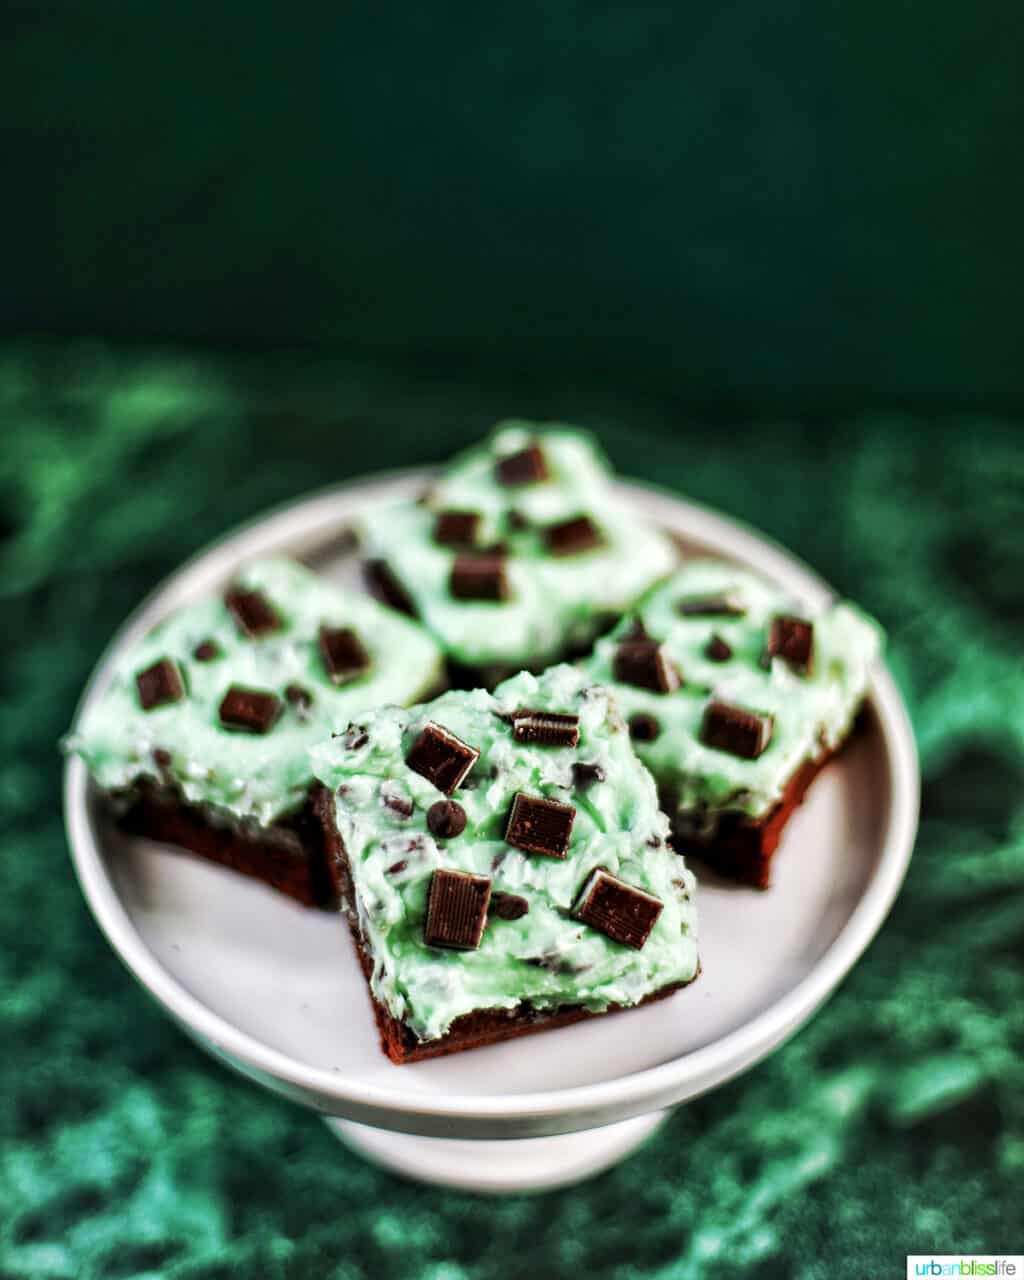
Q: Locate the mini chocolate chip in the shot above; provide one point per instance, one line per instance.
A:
(716, 650)
(644, 727)
(396, 802)
(446, 819)
(206, 651)
(508, 906)
(162, 757)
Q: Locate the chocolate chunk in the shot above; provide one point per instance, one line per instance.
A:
(644, 727)
(585, 775)
(383, 585)
(619, 910)
(343, 654)
(642, 662)
(396, 801)
(716, 650)
(300, 698)
(540, 826)
(792, 640)
(546, 728)
(249, 710)
(456, 528)
(721, 605)
(253, 613)
(528, 466)
(456, 909)
(206, 651)
(508, 906)
(446, 819)
(160, 684)
(441, 758)
(729, 728)
(570, 537)
(479, 577)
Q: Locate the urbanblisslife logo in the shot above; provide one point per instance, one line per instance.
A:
(976, 1264)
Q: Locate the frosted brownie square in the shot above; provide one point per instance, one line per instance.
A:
(519, 554)
(736, 695)
(503, 864)
(202, 737)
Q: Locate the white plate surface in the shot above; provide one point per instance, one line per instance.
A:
(275, 990)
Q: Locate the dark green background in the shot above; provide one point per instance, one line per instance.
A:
(772, 255)
(789, 204)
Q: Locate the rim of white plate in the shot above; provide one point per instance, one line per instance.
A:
(308, 523)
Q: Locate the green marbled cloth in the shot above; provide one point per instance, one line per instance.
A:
(893, 1124)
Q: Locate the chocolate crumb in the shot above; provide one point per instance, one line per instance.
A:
(162, 757)
(716, 650)
(584, 775)
(206, 651)
(300, 698)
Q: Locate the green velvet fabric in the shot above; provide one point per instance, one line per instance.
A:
(893, 1123)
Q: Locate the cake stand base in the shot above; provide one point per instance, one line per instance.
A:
(499, 1167)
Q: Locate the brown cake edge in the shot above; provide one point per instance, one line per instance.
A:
(287, 855)
(742, 849)
(473, 1030)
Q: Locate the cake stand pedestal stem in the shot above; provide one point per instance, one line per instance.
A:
(502, 1166)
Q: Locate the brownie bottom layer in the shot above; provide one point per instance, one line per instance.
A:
(742, 849)
(472, 1030)
(287, 855)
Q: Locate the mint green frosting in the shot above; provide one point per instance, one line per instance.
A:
(257, 777)
(812, 713)
(618, 825)
(555, 601)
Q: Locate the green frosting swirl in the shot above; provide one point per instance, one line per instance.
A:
(257, 777)
(556, 602)
(812, 713)
(544, 958)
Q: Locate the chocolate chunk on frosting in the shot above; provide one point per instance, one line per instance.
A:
(792, 640)
(253, 613)
(456, 528)
(343, 654)
(617, 909)
(736, 730)
(446, 819)
(441, 758)
(540, 826)
(570, 537)
(546, 728)
(641, 661)
(160, 684)
(479, 577)
(249, 710)
(722, 604)
(528, 466)
(456, 909)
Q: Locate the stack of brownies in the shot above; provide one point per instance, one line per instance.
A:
(509, 854)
